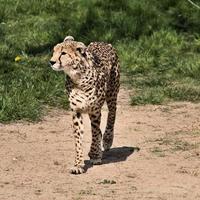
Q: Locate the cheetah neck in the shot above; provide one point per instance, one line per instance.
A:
(87, 81)
(83, 95)
(89, 89)
(91, 78)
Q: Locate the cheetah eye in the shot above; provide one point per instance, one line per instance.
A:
(75, 67)
(63, 53)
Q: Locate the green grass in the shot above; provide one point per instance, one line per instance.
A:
(173, 143)
(106, 181)
(158, 44)
(161, 67)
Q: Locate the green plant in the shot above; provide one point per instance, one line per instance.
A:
(158, 44)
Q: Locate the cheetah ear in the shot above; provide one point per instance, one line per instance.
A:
(68, 38)
(81, 51)
(81, 48)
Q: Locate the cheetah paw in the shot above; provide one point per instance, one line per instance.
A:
(106, 146)
(77, 170)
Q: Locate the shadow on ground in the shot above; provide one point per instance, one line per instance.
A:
(117, 154)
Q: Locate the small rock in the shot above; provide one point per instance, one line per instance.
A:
(55, 162)
(14, 159)
(38, 192)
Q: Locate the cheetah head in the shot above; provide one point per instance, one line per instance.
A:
(71, 57)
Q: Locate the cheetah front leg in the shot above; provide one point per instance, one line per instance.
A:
(95, 153)
(78, 136)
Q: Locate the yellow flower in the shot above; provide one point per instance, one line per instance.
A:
(17, 58)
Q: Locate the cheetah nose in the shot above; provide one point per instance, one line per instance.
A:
(52, 62)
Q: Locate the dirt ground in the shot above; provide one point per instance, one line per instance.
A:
(36, 157)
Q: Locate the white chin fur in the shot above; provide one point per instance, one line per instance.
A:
(56, 68)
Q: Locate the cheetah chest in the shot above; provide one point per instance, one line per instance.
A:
(85, 101)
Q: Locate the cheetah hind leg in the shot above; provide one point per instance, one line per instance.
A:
(109, 132)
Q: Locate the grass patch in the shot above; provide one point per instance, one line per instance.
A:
(158, 152)
(106, 181)
(28, 31)
(179, 141)
(162, 67)
(86, 192)
(158, 44)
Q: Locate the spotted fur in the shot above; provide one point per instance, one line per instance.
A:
(92, 77)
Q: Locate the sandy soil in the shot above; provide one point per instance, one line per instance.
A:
(35, 158)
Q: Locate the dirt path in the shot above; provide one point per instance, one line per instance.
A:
(35, 158)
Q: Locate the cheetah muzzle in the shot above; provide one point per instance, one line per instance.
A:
(92, 77)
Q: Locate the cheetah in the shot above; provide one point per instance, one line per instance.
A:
(92, 77)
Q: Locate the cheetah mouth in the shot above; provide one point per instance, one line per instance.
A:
(56, 67)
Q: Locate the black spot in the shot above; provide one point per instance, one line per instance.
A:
(76, 123)
(73, 104)
(88, 89)
(109, 126)
(96, 121)
(93, 116)
(78, 115)
(94, 125)
(96, 59)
